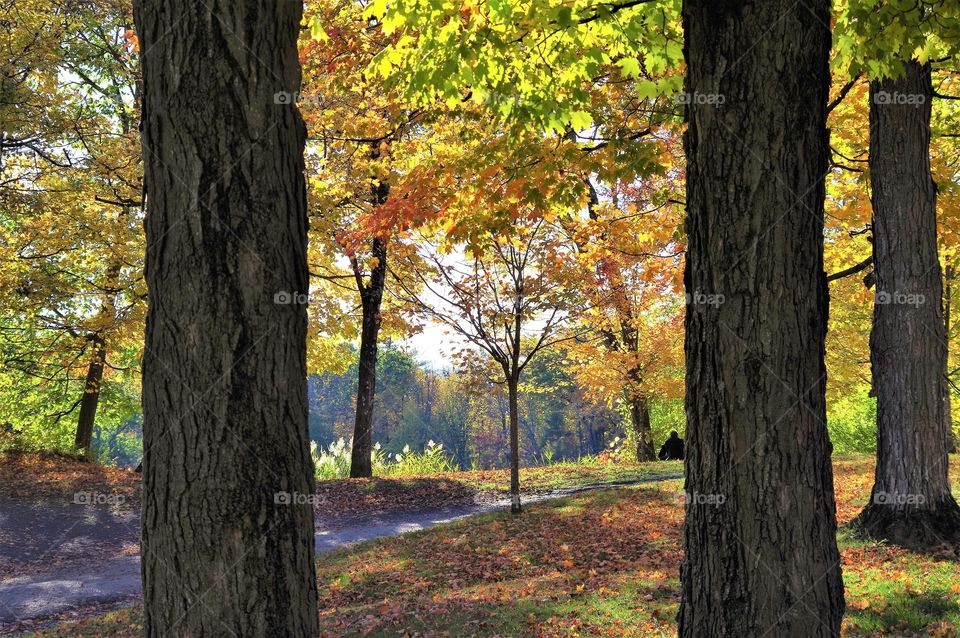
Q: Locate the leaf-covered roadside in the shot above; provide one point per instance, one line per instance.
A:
(598, 564)
(30, 476)
(346, 499)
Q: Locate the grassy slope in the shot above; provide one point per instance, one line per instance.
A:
(598, 564)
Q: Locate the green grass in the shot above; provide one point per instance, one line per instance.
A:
(569, 475)
(903, 593)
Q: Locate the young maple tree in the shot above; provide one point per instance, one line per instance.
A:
(500, 297)
(360, 137)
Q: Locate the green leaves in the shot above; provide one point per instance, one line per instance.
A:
(876, 36)
(532, 61)
(630, 67)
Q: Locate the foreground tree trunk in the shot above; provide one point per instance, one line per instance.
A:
(760, 552)
(910, 504)
(227, 526)
(91, 396)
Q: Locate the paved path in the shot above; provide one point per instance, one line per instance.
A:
(116, 581)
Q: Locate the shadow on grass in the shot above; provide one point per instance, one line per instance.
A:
(904, 612)
(348, 498)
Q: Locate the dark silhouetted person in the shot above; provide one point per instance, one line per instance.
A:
(672, 449)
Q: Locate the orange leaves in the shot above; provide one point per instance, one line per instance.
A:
(31, 475)
(133, 42)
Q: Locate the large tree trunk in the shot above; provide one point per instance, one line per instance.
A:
(513, 390)
(91, 396)
(760, 552)
(227, 526)
(911, 504)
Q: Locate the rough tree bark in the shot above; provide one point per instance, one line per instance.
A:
(760, 553)
(91, 396)
(371, 299)
(910, 504)
(638, 400)
(227, 525)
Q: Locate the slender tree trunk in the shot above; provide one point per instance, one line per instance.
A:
(911, 504)
(371, 295)
(91, 387)
(528, 424)
(513, 383)
(227, 525)
(91, 396)
(640, 419)
(579, 437)
(760, 552)
(361, 461)
(947, 393)
(640, 412)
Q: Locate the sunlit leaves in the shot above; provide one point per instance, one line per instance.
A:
(876, 36)
(529, 61)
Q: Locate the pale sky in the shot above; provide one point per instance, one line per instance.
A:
(432, 346)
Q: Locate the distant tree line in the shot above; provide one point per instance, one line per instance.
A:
(468, 414)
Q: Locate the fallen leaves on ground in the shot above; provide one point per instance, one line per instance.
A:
(564, 568)
(31, 476)
(598, 564)
(36, 476)
(344, 500)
